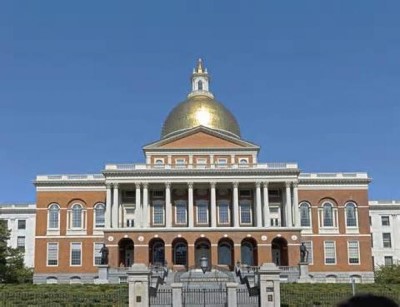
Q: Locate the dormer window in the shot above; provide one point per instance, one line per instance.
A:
(159, 163)
(222, 162)
(180, 163)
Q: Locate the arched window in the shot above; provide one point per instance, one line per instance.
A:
(99, 211)
(327, 215)
(305, 215)
(54, 216)
(77, 216)
(351, 214)
(200, 85)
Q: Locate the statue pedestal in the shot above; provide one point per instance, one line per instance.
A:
(304, 276)
(103, 274)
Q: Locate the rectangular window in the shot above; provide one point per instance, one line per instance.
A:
(130, 223)
(180, 163)
(385, 220)
(222, 162)
(52, 254)
(274, 222)
(353, 252)
(202, 213)
(244, 193)
(372, 240)
(388, 260)
(309, 246)
(76, 253)
(387, 240)
(245, 213)
(181, 213)
(21, 224)
(96, 253)
(21, 243)
(201, 162)
(158, 214)
(223, 213)
(330, 252)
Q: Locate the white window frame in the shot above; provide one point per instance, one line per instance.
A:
(387, 257)
(47, 254)
(180, 163)
(97, 255)
(183, 204)
(243, 162)
(223, 202)
(58, 217)
(309, 214)
(159, 163)
(70, 221)
(352, 229)
(158, 203)
(19, 240)
(358, 252)
(70, 254)
(21, 220)
(246, 202)
(202, 203)
(383, 240)
(95, 216)
(334, 247)
(201, 162)
(222, 162)
(322, 227)
(388, 219)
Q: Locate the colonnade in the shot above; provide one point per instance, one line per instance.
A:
(262, 208)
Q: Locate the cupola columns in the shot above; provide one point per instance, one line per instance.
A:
(200, 81)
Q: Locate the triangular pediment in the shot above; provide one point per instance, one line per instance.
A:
(201, 138)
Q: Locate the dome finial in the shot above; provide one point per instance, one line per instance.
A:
(199, 68)
(200, 81)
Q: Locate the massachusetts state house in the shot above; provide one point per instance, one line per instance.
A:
(201, 192)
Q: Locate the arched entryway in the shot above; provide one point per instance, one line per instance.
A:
(126, 252)
(202, 248)
(226, 253)
(180, 252)
(157, 252)
(248, 250)
(280, 252)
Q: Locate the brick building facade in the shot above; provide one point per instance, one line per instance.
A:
(202, 192)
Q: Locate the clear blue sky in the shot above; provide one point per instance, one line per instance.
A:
(85, 83)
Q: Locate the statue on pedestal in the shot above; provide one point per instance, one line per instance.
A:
(104, 254)
(303, 253)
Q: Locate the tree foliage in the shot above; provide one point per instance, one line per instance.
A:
(388, 274)
(12, 268)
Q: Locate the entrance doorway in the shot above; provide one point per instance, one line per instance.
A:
(280, 252)
(157, 252)
(248, 250)
(225, 253)
(202, 249)
(126, 252)
(180, 252)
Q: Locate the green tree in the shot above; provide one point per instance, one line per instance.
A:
(12, 268)
(388, 274)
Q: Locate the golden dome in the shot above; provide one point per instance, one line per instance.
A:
(200, 110)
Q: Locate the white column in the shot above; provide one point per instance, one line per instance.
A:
(296, 216)
(235, 204)
(168, 206)
(258, 205)
(145, 207)
(213, 205)
(288, 206)
(267, 218)
(139, 213)
(108, 206)
(115, 206)
(190, 202)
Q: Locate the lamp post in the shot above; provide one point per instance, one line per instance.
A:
(204, 264)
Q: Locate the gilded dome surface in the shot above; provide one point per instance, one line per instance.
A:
(200, 110)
